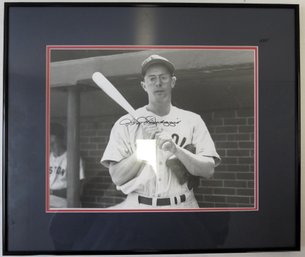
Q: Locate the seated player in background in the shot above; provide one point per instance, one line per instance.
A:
(58, 168)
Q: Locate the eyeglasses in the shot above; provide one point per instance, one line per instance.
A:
(163, 78)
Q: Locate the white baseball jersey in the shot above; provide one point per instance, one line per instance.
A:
(58, 171)
(185, 128)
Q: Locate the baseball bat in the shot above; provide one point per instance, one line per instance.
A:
(113, 93)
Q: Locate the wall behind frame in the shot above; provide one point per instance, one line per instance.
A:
(302, 44)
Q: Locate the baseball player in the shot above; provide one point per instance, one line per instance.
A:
(58, 167)
(184, 147)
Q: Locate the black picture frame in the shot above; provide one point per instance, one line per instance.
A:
(30, 28)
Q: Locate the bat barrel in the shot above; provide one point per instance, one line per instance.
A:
(112, 92)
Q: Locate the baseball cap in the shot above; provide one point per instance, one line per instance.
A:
(57, 130)
(157, 59)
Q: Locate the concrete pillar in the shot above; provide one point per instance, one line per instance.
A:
(73, 155)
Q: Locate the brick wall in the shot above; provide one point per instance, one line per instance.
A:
(99, 191)
(231, 186)
(233, 182)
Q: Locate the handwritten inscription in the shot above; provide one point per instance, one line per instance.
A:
(148, 120)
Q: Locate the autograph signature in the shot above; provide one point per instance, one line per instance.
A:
(148, 120)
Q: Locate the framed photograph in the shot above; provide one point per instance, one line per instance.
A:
(232, 126)
(129, 129)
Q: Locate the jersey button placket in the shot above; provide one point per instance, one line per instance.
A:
(161, 173)
(160, 180)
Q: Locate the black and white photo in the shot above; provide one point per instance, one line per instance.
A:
(185, 141)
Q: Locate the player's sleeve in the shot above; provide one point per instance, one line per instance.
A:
(204, 142)
(118, 147)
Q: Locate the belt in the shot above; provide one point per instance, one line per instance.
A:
(59, 192)
(161, 201)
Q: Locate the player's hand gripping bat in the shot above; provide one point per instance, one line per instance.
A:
(115, 95)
